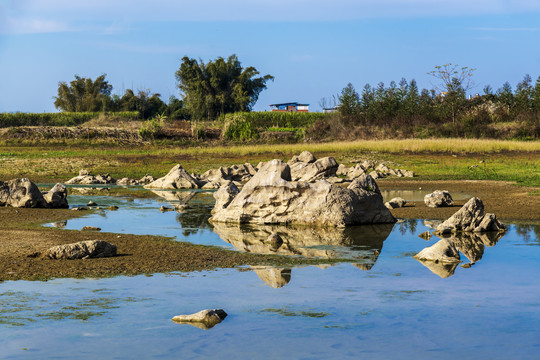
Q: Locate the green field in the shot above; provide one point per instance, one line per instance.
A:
(455, 159)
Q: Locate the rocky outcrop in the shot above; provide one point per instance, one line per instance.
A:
(214, 178)
(85, 178)
(438, 198)
(82, 250)
(270, 197)
(147, 179)
(317, 170)
(471, 217)
(395, 203)
(204, 319)
(23, 193)
(443, 251)
(224, 196)
(177, 178)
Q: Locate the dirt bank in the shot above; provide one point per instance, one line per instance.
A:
(23, 238)
(509, 202)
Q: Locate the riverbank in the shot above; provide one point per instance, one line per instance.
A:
(24, 238)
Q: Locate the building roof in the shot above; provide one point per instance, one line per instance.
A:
(289, 103)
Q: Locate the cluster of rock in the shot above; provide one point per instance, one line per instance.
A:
(85, 178)
(23, 193)
(273, 197)
(470, 229)
(375, 171)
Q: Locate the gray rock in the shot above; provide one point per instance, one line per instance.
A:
(57, 197)
(82, 250)
(471, 217)
(306, 157)
(356, 171)
(317, 170)
(270, 197)
(438, 198)
(146, 179)
(443, 251)
(177, 178)
(224, 196)
(375, 175)
(395, 203)
(206, 318)
(91, 203)
(342, 170)
(21, 193)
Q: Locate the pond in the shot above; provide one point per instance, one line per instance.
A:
(380, 304)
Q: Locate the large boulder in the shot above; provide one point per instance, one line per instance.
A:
(471, 217)
(21, 193)
(82, 250)
(438, 198)
(177, 178)
(57, 197)
(317, 170)
(270, 197)
(224, 196)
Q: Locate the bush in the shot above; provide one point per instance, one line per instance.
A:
(57, 119)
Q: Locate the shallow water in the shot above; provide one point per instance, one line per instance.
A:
(383, 304)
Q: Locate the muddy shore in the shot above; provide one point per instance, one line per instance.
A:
(24, 239)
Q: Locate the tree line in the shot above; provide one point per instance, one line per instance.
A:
(208, 90)
(403, 105)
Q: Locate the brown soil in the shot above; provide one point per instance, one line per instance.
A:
(509, 202)
(24, 239)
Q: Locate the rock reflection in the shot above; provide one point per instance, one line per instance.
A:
(471, 245)
(176, 197)
(272, 276)
(361, 244)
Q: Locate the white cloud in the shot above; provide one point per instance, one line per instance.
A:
(25, 16)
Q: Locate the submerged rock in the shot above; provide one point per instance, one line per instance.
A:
(82, 250)
(270, 197)
(442, 251)
(438, 198)
(204, 319)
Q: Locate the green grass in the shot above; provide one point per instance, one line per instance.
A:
(430, 159)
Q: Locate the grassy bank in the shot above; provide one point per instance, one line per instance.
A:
(429, 159)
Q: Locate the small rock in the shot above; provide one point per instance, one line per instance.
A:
(181, 207)
(113, 207)
(443, 251)
(467, 265)
(82, 250)
(395, 203)
(206, 318)
(91, 228)
(426, 235)
(164, 209)
(91, 203)
(438, 198)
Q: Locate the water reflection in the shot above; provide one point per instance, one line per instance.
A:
(273, 276)
(471, 245)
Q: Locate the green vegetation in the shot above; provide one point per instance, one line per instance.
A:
(430, 159)
(247, 125)
(57, 119)
(218, 87)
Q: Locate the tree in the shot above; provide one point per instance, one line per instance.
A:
(454, 82)
(148, 105)
(218, 87)
(83, 94)
(349, 101)
(524, 95)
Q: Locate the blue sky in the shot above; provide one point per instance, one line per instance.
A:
(312, 47)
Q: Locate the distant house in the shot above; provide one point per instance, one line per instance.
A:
(330, 110)
(290, 107)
